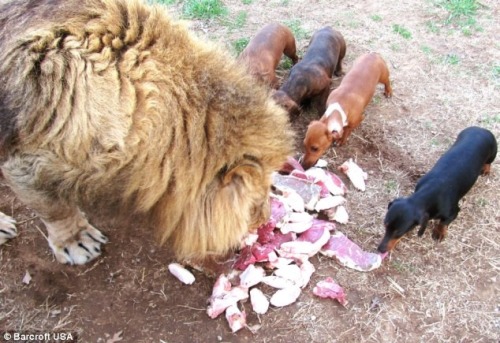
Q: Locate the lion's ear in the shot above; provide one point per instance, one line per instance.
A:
(248, 169)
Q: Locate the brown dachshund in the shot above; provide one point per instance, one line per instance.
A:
(345, 106)
(310, 79)
(263, 52)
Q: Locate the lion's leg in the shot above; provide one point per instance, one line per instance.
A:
(7, 228)
(71, 237)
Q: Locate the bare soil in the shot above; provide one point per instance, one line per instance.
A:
(443, 80)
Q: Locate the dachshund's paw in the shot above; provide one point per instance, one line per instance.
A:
(439, 235)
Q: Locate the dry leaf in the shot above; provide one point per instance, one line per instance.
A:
(117, 337)
(27, 278)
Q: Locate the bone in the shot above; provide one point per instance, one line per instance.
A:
(252, 276)
(341, 216)
(221, 303)
(278, 282)
(259, 302)
(181, 273)
(290, 272)
(236, 319)
(285, 296)
(328, 202)
(355, 174)
(306, 270)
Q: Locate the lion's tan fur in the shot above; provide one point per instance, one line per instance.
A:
(113, 101)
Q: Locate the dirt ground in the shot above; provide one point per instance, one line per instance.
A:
(444, 78)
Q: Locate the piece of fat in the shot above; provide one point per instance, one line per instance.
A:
(259, 302)
(236, 319)
(355, 174)
(278, 282)
(181, 273)
(252, 276)
(285, 296)
(329, 202)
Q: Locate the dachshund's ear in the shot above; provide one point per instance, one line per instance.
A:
(393, 202)
(423, 220)
(390, 204)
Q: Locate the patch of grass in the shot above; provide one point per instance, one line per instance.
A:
(354, 24)
(459, 8)
(490, 120)
(240, 44)
(246, 2)
(426, 50)
(376, 18)
(204, 9)
(461, 13)
(238, 22)
(452, 59)
(496, 71)
(391, 186)
(434, 142)
(403, 267)
(482, 202)
(402, 31)
(285, 63)
(376, 99)
(298, 31)
(395, 47)
(285, 2)
(432, 26)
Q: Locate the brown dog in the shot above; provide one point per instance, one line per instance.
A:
(263, 52)
(345, 106)
(110, 107)
(310, 79)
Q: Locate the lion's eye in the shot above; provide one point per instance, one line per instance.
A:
(314, 149)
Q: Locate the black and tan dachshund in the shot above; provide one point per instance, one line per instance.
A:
(438, 192)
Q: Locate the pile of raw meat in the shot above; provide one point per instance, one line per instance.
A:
(278, 254)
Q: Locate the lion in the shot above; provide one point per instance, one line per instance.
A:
(110, 105)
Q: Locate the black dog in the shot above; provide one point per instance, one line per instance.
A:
(437, 193)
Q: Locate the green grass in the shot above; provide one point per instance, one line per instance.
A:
(246, 2)
(395, 47)
(490, 120)
(285, 63)
(376, 18)
(459, 8)
(452, 59)
(432, 27)
(496, 71)
(238, 22)
(298, 31)
(204, 9)
(404, 267)
(240, 44)
(482, 202)
(391, 186)
(461, 13)
(426, 50)
(402, 31)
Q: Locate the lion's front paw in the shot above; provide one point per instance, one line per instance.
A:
(7, 228)
(84, 248)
